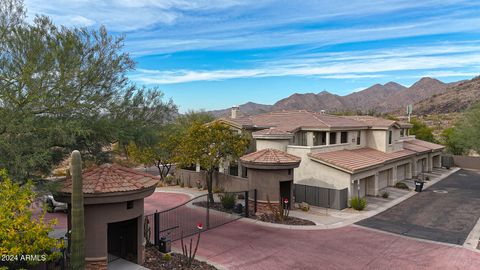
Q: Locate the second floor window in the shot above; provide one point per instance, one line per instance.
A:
(390, 137)
(343, 137)
(333, 137)
(359, 133)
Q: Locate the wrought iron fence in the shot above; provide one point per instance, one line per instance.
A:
(210, 211)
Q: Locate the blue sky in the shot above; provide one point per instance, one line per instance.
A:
(215, 54)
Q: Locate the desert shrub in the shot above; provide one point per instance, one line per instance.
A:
(167, 257)
(227, 200)
(199, 185)
(169, 179)
(304, 206)
(358, 203)
(401, 185)
(218, 189)
(385, 194)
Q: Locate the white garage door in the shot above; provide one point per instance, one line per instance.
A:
(383, 177)
(420, 165)
(402, 172)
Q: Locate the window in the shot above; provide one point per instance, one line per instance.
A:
(402, 132)
(390, 137)
(343, 137)
(301, 138)
(359, 133)
(320, 138)
(129, 204)
(333, 137)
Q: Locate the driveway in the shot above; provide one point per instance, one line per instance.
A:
(445, 212)
(243, 245)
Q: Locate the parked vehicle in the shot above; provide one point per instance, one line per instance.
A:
(53, 205)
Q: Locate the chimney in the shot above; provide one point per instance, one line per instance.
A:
(234, 112)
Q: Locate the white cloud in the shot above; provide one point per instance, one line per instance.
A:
(366, 64)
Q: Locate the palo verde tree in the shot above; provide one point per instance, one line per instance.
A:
(63, 89)
(21, 232)
(160, 151)
(209, 145)
(465, 135)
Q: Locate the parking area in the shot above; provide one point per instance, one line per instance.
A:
(445, 212)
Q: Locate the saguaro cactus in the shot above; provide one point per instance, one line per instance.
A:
(78, 226)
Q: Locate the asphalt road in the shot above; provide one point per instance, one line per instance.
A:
(445, 212)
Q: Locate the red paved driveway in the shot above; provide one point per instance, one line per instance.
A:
(242, 245)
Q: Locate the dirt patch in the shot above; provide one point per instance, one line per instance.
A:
(155, 260)
(270, 218)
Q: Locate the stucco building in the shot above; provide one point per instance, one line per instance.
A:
(362, 154)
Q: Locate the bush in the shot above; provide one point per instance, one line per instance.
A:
(304, 206)
(358, 204)
(228, 200)
(218, 189)
(385, 194)
(169, 179)
(401, 185)
(167, 257)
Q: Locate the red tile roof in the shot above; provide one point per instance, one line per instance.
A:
(109, 178)
(358, 159)
(271, 131)
(421, 145)
(270, 156)
(292, 120)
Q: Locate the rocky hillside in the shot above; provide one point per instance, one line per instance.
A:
(457, 98)
(379, 97)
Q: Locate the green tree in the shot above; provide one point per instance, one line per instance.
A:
(20, 233)
(453, 142)
(209, 145)
(161, 152)
(421, 131)
(185, 121)
(466, 133)
(63, 89)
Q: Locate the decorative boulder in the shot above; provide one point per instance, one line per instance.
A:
(304, 206)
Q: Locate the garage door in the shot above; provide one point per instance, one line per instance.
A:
(402, 172)
(383, 179)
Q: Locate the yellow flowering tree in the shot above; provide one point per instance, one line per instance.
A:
(20, 233)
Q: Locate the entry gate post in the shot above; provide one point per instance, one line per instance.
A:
(255, 200)
(156, 226)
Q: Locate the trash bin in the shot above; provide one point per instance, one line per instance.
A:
(418, 186)
(165, 245)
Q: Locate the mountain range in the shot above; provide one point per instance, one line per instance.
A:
(380, 98)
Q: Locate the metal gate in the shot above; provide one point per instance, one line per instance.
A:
(323, 197)
(183, 219)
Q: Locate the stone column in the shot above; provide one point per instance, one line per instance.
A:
(197, 167)
(309, 138)
(409, 171)
(327, 138)
(429, 162)
(376, 184)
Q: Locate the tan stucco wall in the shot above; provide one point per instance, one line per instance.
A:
(274, 144)
(267, 183)
(377, 139)
(97, 217)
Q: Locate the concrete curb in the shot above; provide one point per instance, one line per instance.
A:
(473, 238)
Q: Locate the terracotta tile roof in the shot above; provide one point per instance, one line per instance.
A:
(292, 120)
(421, 146)
(270, 156)
(109, 178)
(373, 121)
(272, 132)
(358, 159)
